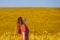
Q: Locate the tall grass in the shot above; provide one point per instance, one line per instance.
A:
(12, 36)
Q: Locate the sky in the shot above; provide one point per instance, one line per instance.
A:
(29, 3)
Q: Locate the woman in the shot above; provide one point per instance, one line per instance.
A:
(22, 28)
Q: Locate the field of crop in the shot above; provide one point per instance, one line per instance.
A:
(43, 23)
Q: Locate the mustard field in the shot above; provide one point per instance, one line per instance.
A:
(43, 23)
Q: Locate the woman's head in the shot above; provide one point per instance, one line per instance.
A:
(20, 20)
(24, 20)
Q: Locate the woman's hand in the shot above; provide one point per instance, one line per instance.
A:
(23, 35)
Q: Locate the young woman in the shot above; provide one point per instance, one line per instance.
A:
(22, 28)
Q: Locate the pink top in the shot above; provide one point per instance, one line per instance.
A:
(25, 29)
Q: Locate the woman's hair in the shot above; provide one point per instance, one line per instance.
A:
(19, 23)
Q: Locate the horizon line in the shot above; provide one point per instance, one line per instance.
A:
(28, 7)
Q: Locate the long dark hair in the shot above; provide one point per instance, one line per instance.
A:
(19, 23)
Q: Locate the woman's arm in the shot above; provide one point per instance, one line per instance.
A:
(23, 35)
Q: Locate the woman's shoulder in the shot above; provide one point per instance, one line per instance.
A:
(23, 25)
(23, 28)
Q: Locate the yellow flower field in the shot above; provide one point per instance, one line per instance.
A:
(43, 23)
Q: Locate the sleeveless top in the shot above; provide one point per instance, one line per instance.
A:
(25, 29)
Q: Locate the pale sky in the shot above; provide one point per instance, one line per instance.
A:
(29, 3)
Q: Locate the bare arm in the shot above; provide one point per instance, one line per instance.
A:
(23, 35)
